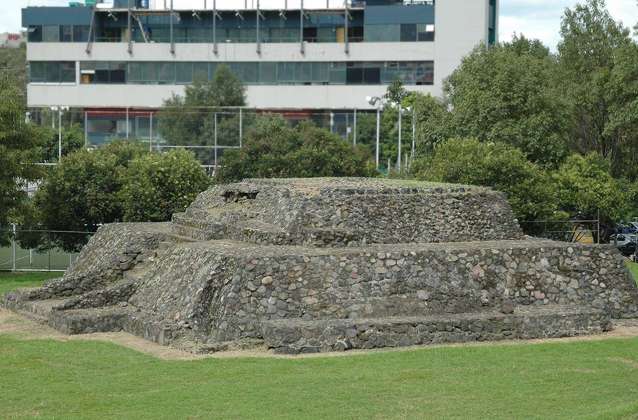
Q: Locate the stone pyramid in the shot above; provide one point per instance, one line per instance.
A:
(327, 264)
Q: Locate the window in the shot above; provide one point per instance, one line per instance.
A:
(52, 72)
(382, 33)
(408, 33)
(35, 34)
(201, 72)
(268, 73)
(80, 33)
(66, 33)
(166, 73)
(184, 73)
(310, 34)
(104, 72)
(250, 73)
(67, 72)
(425, 32)
(37, 72)
(51, 33)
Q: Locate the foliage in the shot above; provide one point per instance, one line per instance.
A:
(19, 143)
(81, 193)
(72, 140)
(274, 149)
(158, 185)
(506, 94)
(189, 119)
(13, 65)
(597, 57)
(496, 165)
(432, 122)
(585, 187)
(396, 93)
(119, 182)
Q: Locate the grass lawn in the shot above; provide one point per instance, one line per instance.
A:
(12, 281)
(81, 379)
(633, 267)
(86, 379)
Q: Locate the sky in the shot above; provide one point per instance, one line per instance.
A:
(533, 18)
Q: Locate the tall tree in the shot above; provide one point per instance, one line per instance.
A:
(506, 94)
(592, 47)
(19, 143)
(189, 120)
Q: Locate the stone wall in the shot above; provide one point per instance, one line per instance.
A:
(114, 249)
(228, 288)
(349, 212)
(294, 337)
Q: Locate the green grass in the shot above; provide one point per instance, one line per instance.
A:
(633, 268)
(12, 281)
(82, 379)
(102, 380)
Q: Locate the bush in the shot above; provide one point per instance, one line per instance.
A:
(158, 185)
(82, 192)
(496, 165)
(119, 182)
(272, 149)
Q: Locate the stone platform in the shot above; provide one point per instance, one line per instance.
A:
(324, 265)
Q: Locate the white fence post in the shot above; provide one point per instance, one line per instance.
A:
(13, 247)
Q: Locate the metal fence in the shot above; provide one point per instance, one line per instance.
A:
(209, 132)
(581, 231)
(40, 250)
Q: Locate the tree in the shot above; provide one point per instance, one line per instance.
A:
(72, 140)
(592, 46)
(586, 189)
(158, 185)
(433, 122)
(506, 94)
(119, 182)
(19, 143)
(13, 68)
(189, 120)
(496, 165)
(272, 149)
(81, 193)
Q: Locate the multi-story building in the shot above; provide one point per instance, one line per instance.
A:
(290, 54)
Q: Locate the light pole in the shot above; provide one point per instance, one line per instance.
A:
(60, 110)
(401, 109)
(378, 103)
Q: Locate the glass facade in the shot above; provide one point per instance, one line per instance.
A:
(414, 23)
(52, 72)
(59, 33)
(260, 73)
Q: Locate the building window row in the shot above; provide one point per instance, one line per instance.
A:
(161, 34)
(250, 73)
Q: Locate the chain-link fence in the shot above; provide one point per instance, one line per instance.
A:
(39, 250)
(209, 131)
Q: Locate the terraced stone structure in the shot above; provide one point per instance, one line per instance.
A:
(308, 265)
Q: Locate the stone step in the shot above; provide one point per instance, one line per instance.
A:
(296, 336)
(192, 232)
(197, 222)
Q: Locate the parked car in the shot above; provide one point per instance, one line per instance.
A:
(626, 243)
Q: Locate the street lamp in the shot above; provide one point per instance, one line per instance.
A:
(401, 109)
(60, 110)
(378, 103)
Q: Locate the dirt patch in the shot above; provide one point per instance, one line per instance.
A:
(27, 329)
(627, 362)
